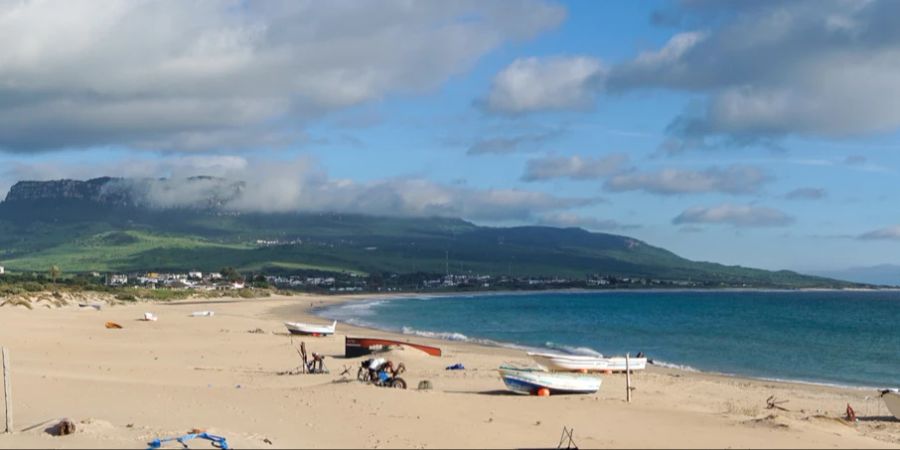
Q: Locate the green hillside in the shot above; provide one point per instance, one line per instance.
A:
(85, 236)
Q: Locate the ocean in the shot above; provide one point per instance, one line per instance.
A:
(847, 338)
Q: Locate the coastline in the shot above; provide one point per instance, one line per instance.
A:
(221, 373)
(398, 332)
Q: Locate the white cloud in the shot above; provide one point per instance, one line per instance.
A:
(178, 75)
(735, 179)
(558, 83)
(735, 215)
(814, 68)
(888, 233)
(574, 167)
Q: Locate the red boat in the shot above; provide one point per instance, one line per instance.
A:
(354, 347)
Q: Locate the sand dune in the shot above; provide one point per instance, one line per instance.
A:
(125, 387)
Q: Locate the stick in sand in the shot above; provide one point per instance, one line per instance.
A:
(7, 389)
(628, 377)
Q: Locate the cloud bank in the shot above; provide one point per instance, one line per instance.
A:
(190, 76)
(300, 185)
(759, 71)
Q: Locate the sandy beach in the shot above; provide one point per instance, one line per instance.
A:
(125, 387)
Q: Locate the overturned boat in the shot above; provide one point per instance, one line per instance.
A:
(531, 381)
(357, 346)
(308, 329)
(583, 363)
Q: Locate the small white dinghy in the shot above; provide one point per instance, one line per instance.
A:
(584, 363)
(310, 329)
(892, 400)
(530, 381)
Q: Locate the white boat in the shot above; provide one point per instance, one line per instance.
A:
(310, 329)
(892, 400)
(584, 363)
(529, 381)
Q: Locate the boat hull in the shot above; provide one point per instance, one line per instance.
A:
(306, 329)
(354, 346)
(892, 400)
(525, 381)
(578, 363)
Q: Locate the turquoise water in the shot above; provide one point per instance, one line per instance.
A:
(845, 338)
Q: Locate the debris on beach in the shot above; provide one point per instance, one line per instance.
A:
(216, 441)
(425, 385)
(150, 317)
(64, 427)
(113, 326)
(203, 313)
(257, 331)
(457, 366)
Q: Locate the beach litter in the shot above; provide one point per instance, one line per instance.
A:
(457, 366)
(216, 441)
(64, 427)
(774, 403)
(203, 314)
(113, 326)
(91, 305)
(425, 385)
(150, 317)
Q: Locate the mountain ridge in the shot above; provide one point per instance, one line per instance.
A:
(69, 222)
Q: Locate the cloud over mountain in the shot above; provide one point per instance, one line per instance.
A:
(301, 184)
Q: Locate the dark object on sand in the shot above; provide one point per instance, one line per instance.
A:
(774, 403)
(354, 347)
(64, 427)
(567, 439)
(851, 414)
(457, 366)
(382, 373)
(425, 385)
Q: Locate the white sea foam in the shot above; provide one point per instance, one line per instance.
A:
(447, 336)
(667, 365)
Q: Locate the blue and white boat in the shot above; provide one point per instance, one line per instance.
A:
(529, 381)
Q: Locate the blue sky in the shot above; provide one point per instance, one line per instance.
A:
(754, 133)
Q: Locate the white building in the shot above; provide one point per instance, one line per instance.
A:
(195, 275)
(2, 270)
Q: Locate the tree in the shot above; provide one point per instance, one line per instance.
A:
(231, 274)
(54, 273)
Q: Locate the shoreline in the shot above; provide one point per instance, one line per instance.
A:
(316, 311)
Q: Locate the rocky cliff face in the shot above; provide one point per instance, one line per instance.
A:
(195, 192)
(101, 190)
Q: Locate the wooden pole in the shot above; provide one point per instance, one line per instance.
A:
(628, 377)
(7, 389)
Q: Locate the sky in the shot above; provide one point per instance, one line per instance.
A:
(764, 134)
